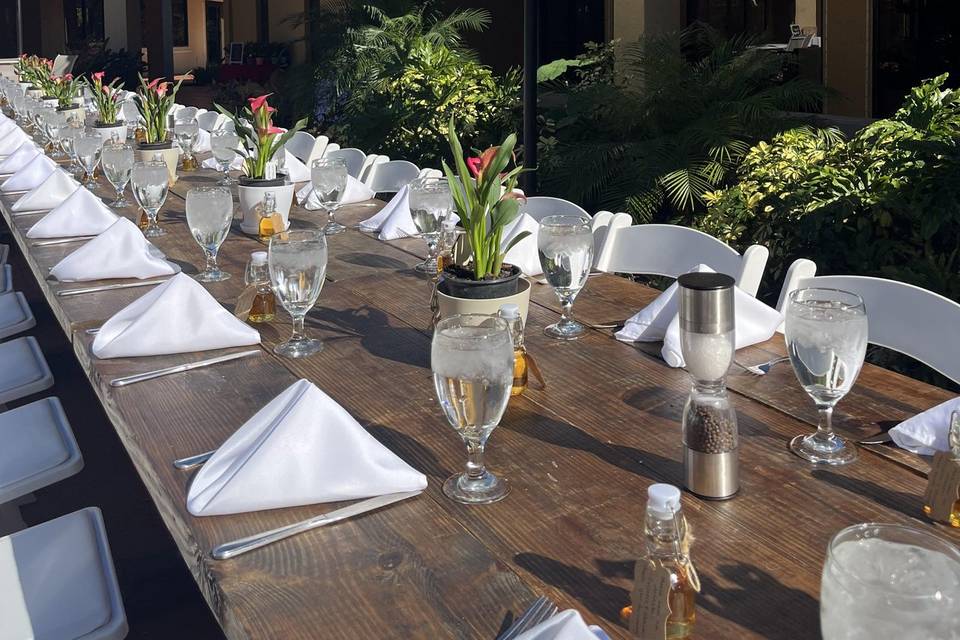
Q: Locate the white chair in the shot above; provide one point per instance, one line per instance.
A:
(6, 279)
(129, 111)
(210, 120)
(185, 114)
(601, 224)
(352, 156)
(319, 149)
(59, 581)
(900, 316)
(331, 147)
(15, 315)
(23, 369)
(430, 173)
(4, 253)
(63, 64)
(539, 207)
(301, 144)
(672, 250)
(390, 177)
(371, 160)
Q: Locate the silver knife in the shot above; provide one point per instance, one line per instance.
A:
(230, 549)
(150, 375)
(50, 243)
(109, 287)
(185, 464)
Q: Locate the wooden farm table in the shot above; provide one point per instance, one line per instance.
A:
(579, 454)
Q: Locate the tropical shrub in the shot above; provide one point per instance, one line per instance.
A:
(95, 56)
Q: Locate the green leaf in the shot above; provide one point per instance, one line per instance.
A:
(555, 69)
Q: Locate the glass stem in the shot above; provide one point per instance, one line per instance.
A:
(297, 328)
(211, 260)
(475, 467)
(431, 249)
(825, 425)
(566, 309)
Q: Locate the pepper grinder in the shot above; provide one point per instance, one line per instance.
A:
(710, 437)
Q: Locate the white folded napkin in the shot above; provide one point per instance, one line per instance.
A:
(301, 448)
(81, 214)
(7, 126)
(30, 176)
(119, 252)
(54, 190)
(660, 320)
(19, 158)
(394, 220)
(11, 140)
(235, 165)
(178, 316)
(566, 625)
(927, 432)
(296, 171)
(355, 192)
(202, 145)
(524, 254)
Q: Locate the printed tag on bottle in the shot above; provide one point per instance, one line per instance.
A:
(276, 220)
(651, 601)
(245, 302)
(943, 486)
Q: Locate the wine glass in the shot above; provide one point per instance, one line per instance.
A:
(224, 145)
(329, 179)
(889, 581)
(472, 362)
(826, 334)
(150, 182)
(186, 133)
(209, 214)
(430, 204)
(117, 160)
(565, 244)
(55, 123)
(298, 264)
(89, 146)
(68, 138)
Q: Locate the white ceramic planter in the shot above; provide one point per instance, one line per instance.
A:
(34, 93)
(50, 102)
(170, 156)
(75, 114)
(110, 131)
(450, 306)
(24, 86)
(251, 196)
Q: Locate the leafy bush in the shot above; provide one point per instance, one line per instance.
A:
(94, 56)
(885, 203)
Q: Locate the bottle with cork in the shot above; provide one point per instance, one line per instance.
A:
(511, 314)
(265, 214)
(947, 464)
(264, 305)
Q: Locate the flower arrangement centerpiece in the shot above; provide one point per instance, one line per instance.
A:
(260, 141)
(33, 71)
(66, 89)
(487, 201)
(106, 97)
(154, 100)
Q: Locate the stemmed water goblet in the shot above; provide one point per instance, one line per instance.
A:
(826, 335)
(298, 265)
(117, 160)
(68, 139)
(186, 134)
(472, 362)
(329, 179)
(430, 204)
(55, 123)
(150, 182)
(89, 145)
(565, 245)
(224, 144)
(209, 215)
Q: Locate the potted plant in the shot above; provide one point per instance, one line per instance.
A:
(260, 141)
(107, 99)
(67, 91)
(485, 197)
(154, 101)
(33, 71)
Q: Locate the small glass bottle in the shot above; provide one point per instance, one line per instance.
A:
(264, 307)
(511, 313)
(667, 546)
(448, 238)
(265, 211)
(953, 438)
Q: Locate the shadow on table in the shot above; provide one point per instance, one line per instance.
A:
(761, 603)
(377, 336)
(372, 260)
(412, 452)
(657, 401)
(905, 503)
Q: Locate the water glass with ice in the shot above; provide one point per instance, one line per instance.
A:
(298, 265)
(565, 244)
(209, 215)
(117, 160)
(224, 146)
(150, 185)
(329, 179)
(89, 146)
(430, 204)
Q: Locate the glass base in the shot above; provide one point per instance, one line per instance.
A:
(427, 266)
(90, 184)
(565, 330)
(333, 228)
(299, 348)
(835, 451)
(212, 276)
(121, 202)
(484, 490)
(227, 181)
(154, 231)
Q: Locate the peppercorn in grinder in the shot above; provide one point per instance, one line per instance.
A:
(707, 342)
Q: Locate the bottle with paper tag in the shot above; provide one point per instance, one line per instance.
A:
(270, 222)
(511, 314)
(666, 583)
(262, 300)
(944, 479)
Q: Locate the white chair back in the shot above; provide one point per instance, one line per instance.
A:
(672, 250)
(391, 176)
(601, 225)
(430, 173)
(129, 111)
(539, 207)
(63, 64)
(184, 114)
(210, 120)
(319, 148)
(353, 157)
(371, 160)
(301, 145)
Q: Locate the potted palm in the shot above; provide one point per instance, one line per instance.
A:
(260, 141)
(107, 99)
(154, 99)
(485, 197)
(66, 88)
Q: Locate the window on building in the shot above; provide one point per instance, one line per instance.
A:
(181, 28)
(9, 28)
(83, 20)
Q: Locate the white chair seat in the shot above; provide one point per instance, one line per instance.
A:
(15, 314)
(6, 279)
(58, 582)
(38, 448)
(23, 369)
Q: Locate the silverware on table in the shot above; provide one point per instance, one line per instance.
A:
(50, 243)
(180, 368)
(235, 548)
(880, 438)
(763, 368)
(190, 462)
(109, 287)
(542, 609)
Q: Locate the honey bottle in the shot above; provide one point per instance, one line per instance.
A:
(953, 438)
(511, 314)
(264, 306)
(265, 212)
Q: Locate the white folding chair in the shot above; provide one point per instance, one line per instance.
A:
(539, 207)
(352, 156)
(331, 147)
(185, 114)
(59, 581)
(15, 315)
(210, 120)
(391, 176)
(301, 144)
(23, 369)
(371, 160)
(900, 316)
(601, 224)
(63, 64)
(430, 173)
(672, 250)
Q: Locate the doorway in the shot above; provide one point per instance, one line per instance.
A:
(9, 28)
(214, 28)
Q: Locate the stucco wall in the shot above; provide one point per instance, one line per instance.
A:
(848, 56)
(194, 55)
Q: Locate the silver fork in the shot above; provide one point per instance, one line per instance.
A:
(763, 368)
(541, 609)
